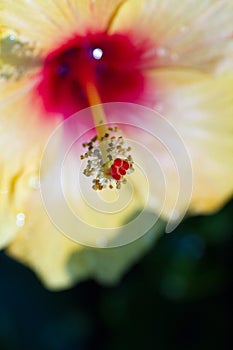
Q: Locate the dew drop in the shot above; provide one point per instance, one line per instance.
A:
(34, 182)
(20, 219)
(97, 53)
(12, 37)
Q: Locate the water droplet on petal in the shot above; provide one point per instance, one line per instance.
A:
(20, 219)
(97, 53)
(34, 182)
(12, 37)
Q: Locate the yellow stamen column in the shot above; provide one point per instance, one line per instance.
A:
(99, 117)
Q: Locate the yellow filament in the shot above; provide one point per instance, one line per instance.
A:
(99, 117)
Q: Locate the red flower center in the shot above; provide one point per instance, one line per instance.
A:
(110, 61)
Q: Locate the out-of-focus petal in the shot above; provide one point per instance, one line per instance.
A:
(201, 109)
(48, 22)
(39, 245)
(22, 141)
(189, 33)
(59, 262)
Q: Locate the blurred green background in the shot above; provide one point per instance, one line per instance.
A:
(179, 296)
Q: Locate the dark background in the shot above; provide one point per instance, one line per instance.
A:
(179, 296)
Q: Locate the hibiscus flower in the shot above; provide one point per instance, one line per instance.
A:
(61, 56)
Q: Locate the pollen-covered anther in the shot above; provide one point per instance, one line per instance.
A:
(108, 161)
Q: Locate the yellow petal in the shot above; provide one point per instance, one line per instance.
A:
(202, 113)
(39, 245)
(48, 22)
(188, 33)
(22, 140)
(59, 262)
